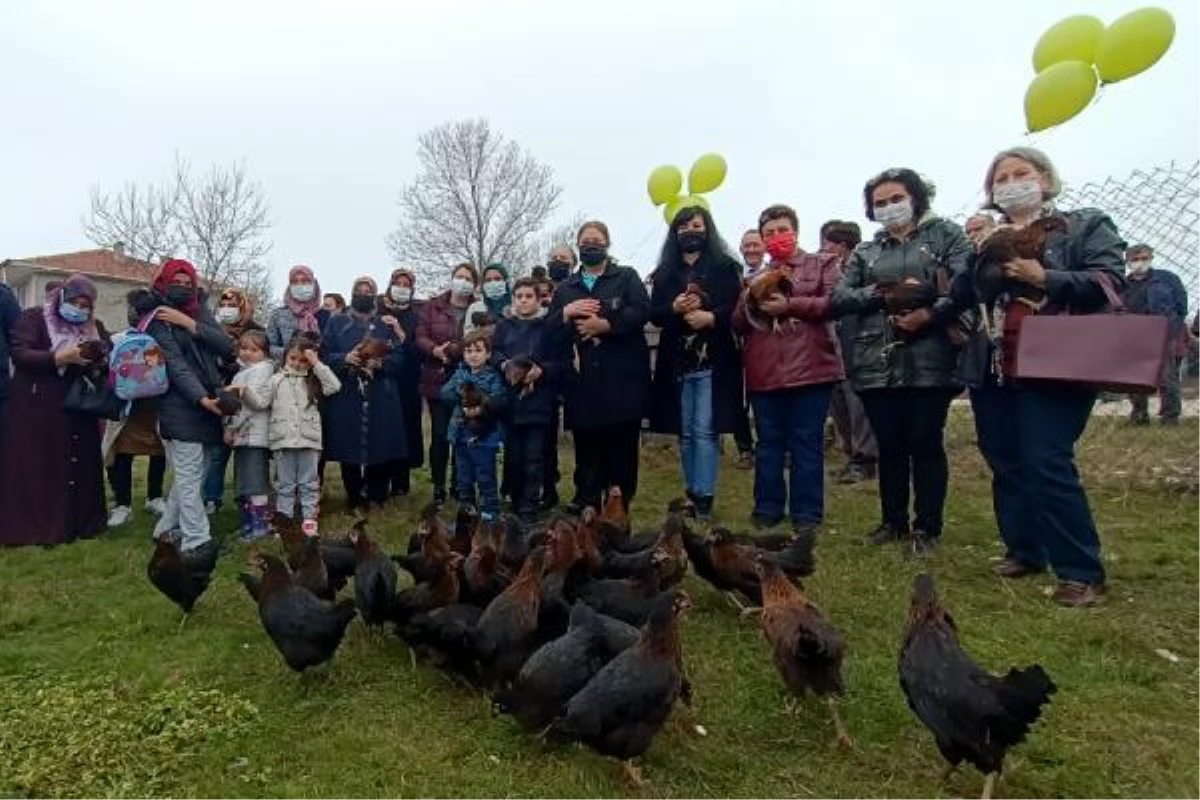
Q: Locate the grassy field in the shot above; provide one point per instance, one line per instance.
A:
(101, 696)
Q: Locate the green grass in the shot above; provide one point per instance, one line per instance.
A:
(100, 696)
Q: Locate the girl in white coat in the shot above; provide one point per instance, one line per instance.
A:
(293, 396)
(247, 432)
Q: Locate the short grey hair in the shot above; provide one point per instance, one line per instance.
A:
(1040, 161)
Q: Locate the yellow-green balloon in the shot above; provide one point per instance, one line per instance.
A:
(1070, 39)
(1134, 43)
(664, 183)
(680, 203)
(1058, 93)
(707, 173)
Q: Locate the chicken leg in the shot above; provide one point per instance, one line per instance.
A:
(989, 785)
(742, 609)
(182, 622)
(843, 739)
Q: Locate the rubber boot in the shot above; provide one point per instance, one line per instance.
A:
(260, 519)
(247, 527)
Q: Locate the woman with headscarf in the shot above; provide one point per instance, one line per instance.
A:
(51, 479)
(397, 302)
(189, 414)
(363, 431)
(496, 301)
(301, 311)
(235, 313)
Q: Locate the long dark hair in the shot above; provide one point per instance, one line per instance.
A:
(714, 250)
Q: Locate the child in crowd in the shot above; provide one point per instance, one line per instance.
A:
(293, 396)
(479, 398)
(528, 354)
(248, 434)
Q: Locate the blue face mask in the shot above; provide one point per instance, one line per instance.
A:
(73, 314)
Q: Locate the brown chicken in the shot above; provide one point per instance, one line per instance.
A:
(430, 545)
(516, 370)
(730, 567)
(771, 282)
(442, 589)
(466, 521)
(612, 523)
(483, 577)
(337, 559)
(807, 650)
(472, 398)
(370, 351)
(507, 630)
(973, 715)
(1005, 244)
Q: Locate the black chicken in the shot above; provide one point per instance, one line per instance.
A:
(181, 576)
(441, 590)
(628, 599)
(507, 630)
(374, 580)
(516, 370)
(305, 629)
(973, 715)
(729, 566)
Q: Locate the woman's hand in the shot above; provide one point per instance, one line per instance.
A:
(236, 388)
(1026, 270)
(173, 316)
(580, 309)
(439, 352)
(396, 327)
(699, 320)
(72, 357)
(353, 358)
(774, 306)
(230, 437)
(685, 303)
(593, 326)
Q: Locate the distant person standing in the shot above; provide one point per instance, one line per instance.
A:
(10, 309)
(978, 227)
(849, 417)
(334, 303)
(753, 254)
(1157, 292)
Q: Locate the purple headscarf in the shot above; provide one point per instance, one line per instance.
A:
(65, 335)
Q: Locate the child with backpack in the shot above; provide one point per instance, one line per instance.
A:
(293, 396)
(247, 433)
(479, 397)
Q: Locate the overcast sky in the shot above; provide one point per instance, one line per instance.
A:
(324, 103)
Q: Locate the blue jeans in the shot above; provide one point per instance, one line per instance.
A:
(1027, 435)
(477, 469)
(792, 421)
(217, 456)
(697, 439)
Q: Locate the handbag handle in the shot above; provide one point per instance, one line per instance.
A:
(1114, 299)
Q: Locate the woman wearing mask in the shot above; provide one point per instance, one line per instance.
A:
(698, 375)
(363, 430)
(398, 303)
(600, 314)
(496, 300)
(905, 351)
(439, 324)
(51, 480)
(301, 311)
(189, 415)
(235, 313)
(1027, 433)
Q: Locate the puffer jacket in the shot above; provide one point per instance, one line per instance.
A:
(880, 359)
(295, 420)
(252, 427)
(495, 390)
(804, 351)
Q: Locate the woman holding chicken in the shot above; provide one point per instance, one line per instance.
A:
(905, 348)
(698, 373)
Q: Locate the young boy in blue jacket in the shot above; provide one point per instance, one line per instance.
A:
(527, 353)
(479, 398)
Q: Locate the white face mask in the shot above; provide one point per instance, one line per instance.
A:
(400, 294)
(1020, 196)
(462, 287)
(494, 290)
(303, 292)
(1139, 267)
(227, 315)
(895, 215)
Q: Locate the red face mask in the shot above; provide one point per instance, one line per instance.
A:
(781, 246)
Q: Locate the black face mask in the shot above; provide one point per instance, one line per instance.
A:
(593, 254)
(363, 303)
(558, 270)
(180, 296)
(691, 241)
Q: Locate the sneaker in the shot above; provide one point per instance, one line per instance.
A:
(119, 516)
(157, 506)
(885, 534)
(924, 545)
(1073, 594)
(856, 473)
(1015, 568)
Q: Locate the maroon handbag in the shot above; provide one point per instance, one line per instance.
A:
(1112, 351)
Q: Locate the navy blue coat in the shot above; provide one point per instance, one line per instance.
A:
(9, 311)
(362, 428)
(535, 339)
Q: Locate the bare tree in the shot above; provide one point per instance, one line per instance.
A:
(219, 222)
(477, 197)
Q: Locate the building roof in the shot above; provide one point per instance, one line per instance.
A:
(100, 263)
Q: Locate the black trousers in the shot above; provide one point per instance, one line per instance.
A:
(399, 477)
(368, 484)
(439, 443)
(526, 447)
(909, 426)
(606, 456)
(120, 478)
(742, 435)
(550, 474)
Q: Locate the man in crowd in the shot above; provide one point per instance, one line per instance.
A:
(1157, 292)
(978, 227)
(849, 418)
(753, 255)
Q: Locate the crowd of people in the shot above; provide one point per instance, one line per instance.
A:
(884, 332)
